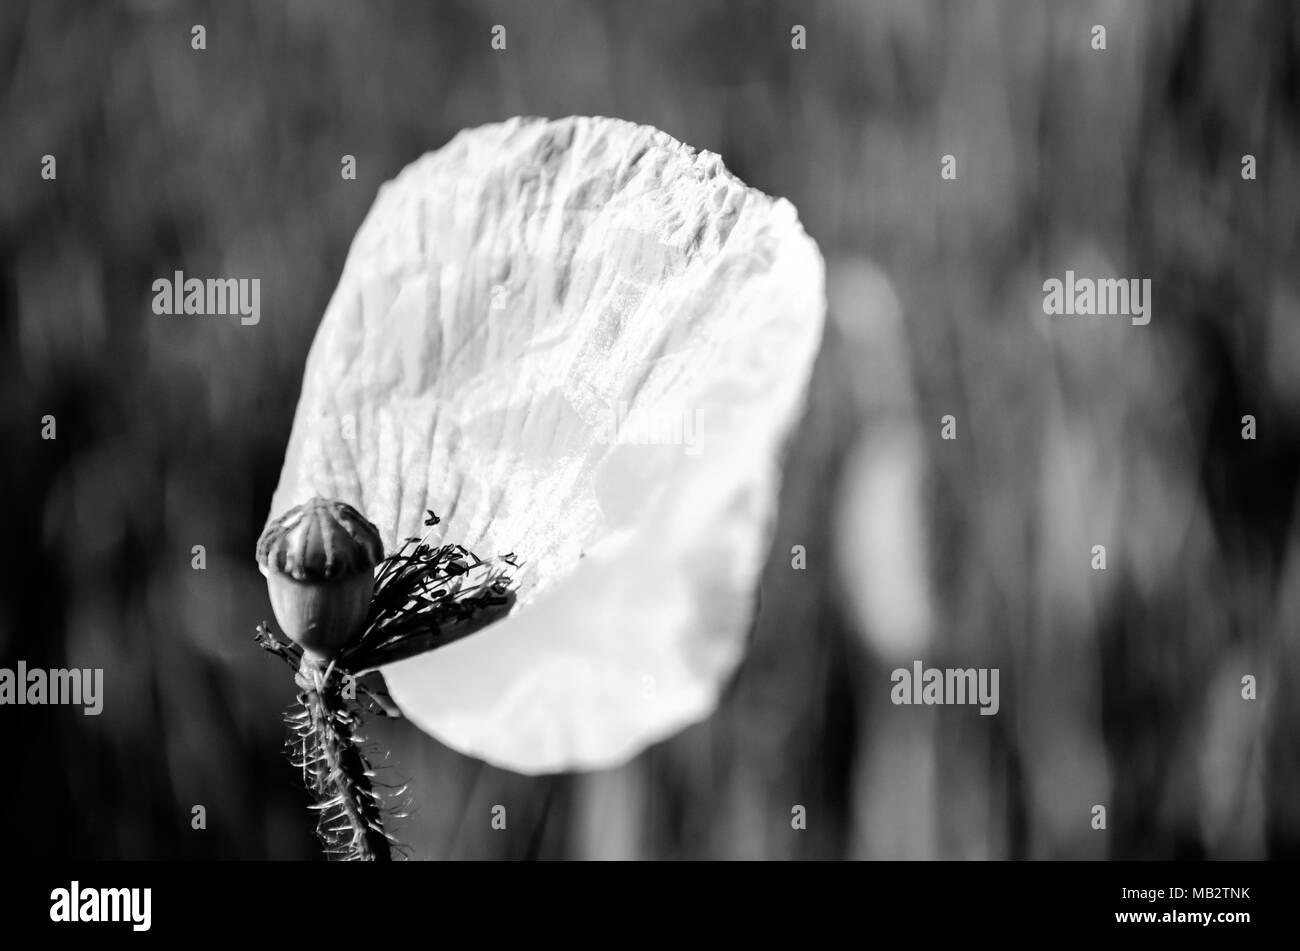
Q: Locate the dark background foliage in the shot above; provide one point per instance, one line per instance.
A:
(1120, 688)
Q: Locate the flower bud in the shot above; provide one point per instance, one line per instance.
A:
(319, 559)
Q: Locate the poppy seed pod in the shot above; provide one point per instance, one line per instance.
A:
(319, 559)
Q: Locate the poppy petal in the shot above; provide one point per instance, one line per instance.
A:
(582, 342)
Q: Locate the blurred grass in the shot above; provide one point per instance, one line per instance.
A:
(1117, 689)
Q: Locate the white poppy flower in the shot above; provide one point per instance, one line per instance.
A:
(585, 343)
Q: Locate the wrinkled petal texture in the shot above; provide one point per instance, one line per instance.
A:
(585, 343)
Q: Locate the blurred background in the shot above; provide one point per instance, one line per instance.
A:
(1119, 687)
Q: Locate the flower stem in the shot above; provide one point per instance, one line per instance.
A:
(335, 769)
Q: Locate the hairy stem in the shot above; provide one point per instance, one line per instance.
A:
(335, 769)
